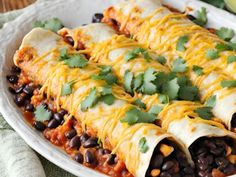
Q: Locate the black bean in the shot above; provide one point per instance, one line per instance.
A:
(165, 174)
(174, 169)
(58, 117)
(75, 142)
(111, 159)
(233, 121)
(69, 40)
(89, 157)
(201, 151)
(28, 89)
(62, 112)
(79, 158)
(70, 134)
(15, 69)
(157, 161)
(19, 100)
(167, 165)
(210, 144)
(188, 170)
(19, 89)
(53, 123)
(221, 161)
(12, 90)
(209, 159)
(178, 175)
(29, 107)
(97, 18)
(39, 126)
(12, 78)
(203, 166)
(217, 151)
(113, 21)
(230, 169)
(62, 122)
(84, 137)
(202, 173)
(107, 151)
(91, 142)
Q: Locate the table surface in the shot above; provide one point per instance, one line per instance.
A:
(8, 5)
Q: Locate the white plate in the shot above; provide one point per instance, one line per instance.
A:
(73, 13)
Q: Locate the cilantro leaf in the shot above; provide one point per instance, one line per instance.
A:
(148, 78)
(231, 59)
(41, 113)
(171, 88)
(67, 88)
(188, 93)
(161, 59)
(228, 83)
(105, 74)
(181, 43)
(53, 24)
(106, 90)
(134, 116)
(204, 112)
(90, 100)
(108, 99)
(76, 61)
(63, 54)
(201, 17)
(155, 109)
(217, 3)
(140, 104)
(212, 54)
(138, 81)
(163, 99)
(135, 53)
(223, 47)
(179, 65)
(198, 70)
(232, 45)
(128, 81)
(143, 147)
(225, 33)
(211, 101)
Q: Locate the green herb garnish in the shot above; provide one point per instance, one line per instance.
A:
(67, 88)
(211, 101)
(212, 54)
(198, 70)
(135, 53)
(155, 109)
(90, 100)
(201, 17)
(53, 24)
(231, 59)
(228, 83)
(128, 81)
(140, 104)
(204, 112)
(75, 61)
(181, 43)
(143, 147)
(225, 33)
(161, 60)
(41, 113)
(179, 65)
(134, 116)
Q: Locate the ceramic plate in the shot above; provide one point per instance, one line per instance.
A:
(72, 13)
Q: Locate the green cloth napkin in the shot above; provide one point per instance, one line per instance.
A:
(22, 160)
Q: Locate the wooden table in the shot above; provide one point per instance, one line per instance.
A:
(8, 5)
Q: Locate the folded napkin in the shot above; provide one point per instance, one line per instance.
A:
(17, 159)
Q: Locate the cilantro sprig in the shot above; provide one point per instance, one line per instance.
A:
(134, 115)
(231, 59)
(143, 147)
(67, 88)
(53, 24)
(225, 33)
(73, 61)
(137, 52)
(181, 43)
(201, 17)
(42, 114)
(90, 100)
(204, 112)
(211, 101)
(228, 83)
(212, 54)
(198, 70)
(179, 65)
(105, 74)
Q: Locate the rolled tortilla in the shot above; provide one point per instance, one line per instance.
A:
(38, 58)
(160, 29)
(178, 117)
